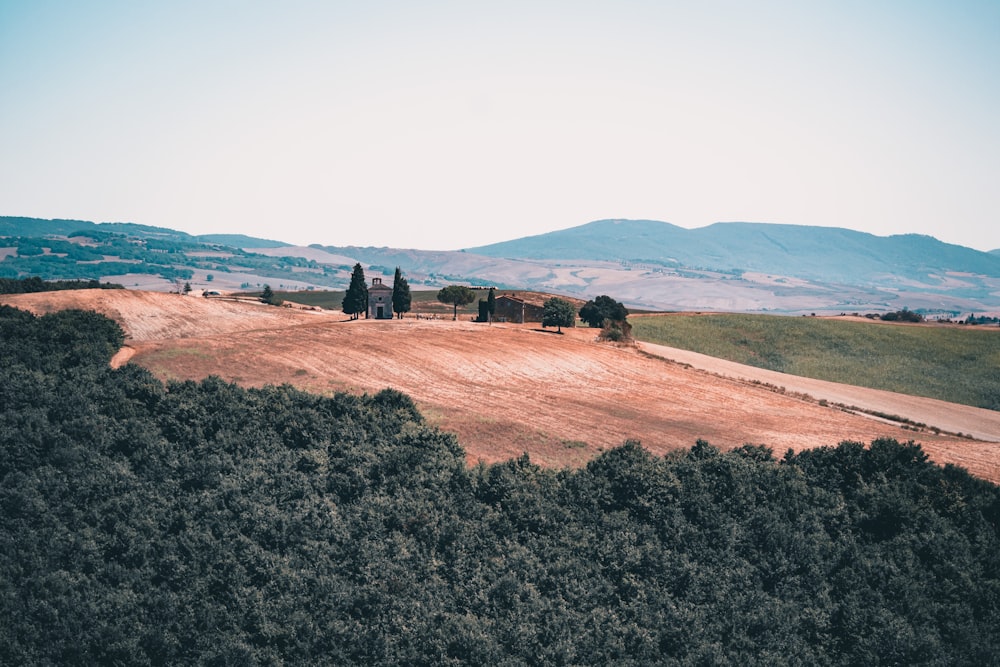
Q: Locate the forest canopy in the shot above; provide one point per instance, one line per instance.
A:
(201, 522)
(36, 284)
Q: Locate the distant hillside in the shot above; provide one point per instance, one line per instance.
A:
(14, 226)
(826, 254)
(152, 257)
(743, 267)
(240, 241)
(38, 227)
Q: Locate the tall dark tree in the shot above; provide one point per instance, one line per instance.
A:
(597, 311)
(356, 299)
(456, 295)
(491, 303)
(558, 313)
(268, 296)
(401, 299)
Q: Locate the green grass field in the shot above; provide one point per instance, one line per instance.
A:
(957, 364)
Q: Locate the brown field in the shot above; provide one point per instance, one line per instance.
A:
(507, 389)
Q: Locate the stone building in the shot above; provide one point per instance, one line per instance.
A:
(379, 300)
(513, 309)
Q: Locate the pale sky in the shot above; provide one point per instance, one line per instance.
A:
(442, 125)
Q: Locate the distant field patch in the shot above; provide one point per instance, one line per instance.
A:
(961, 365)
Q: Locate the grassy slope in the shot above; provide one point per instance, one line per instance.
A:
(961, 365)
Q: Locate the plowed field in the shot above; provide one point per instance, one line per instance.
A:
(507, 389)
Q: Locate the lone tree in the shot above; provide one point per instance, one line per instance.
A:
(558, 313)
(268, 296)
(602, 309)
(356, 297)
(400, 294)
(456, 295)
(491, 303)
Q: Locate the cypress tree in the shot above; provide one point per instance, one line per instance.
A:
(356, 298)
(491, 303)
(268, 296)
(400, 294)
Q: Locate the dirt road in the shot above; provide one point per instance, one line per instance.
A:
(976, 422)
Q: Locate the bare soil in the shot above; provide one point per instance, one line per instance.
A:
(505, 389)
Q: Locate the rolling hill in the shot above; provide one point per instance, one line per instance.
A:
(745, 267)
(11, 226)
(726, 266)
(508, 389)
(824, 254)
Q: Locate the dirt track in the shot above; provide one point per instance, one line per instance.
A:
(507, 389)
(952, 417)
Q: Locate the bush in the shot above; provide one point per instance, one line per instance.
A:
(616, 332)
(902, 316)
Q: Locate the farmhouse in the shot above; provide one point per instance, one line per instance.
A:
(379, 300)
(513, 309)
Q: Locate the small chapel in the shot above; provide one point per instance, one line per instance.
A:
(379, 300)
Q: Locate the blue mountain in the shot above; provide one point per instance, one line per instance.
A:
(827, 254)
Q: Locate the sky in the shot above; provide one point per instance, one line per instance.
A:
(445, 125)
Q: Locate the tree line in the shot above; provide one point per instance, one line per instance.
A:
(36, 284)
(603, 312)
(201, 522)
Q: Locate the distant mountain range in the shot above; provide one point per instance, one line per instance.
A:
(644, 263)
(826, 254)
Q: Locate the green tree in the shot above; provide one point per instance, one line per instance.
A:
(187, 288)
(596, 311)
(491, 303)
(356, 299)
(456, 295)
(401, 299)
(269, 297)
(558, 313)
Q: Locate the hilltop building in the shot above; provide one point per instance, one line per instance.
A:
(379, 300)
(513, 309)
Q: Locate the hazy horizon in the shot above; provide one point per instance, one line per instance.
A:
(447, 125)
(275, 237)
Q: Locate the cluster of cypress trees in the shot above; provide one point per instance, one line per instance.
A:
(356, 298)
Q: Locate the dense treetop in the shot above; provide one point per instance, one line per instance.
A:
(200, 522)
(456, 295)
(36, 284)
(558, 313)
(601, 310)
